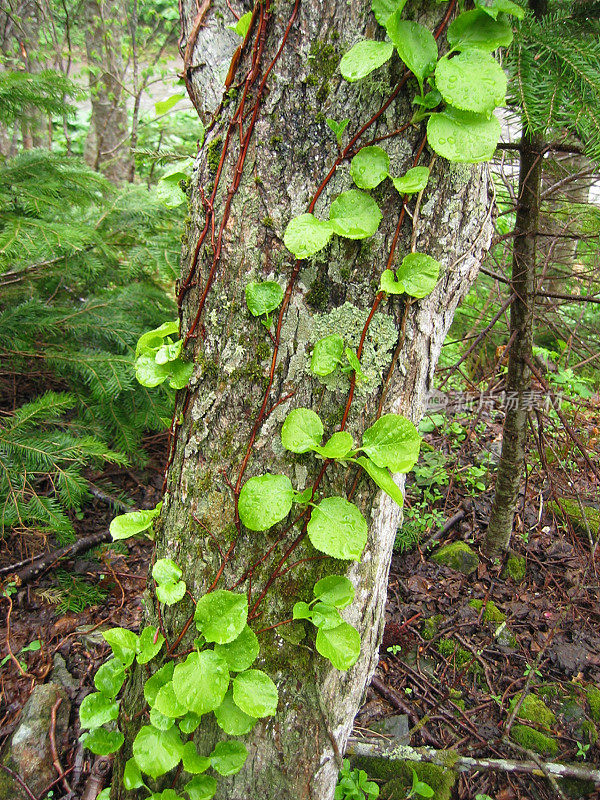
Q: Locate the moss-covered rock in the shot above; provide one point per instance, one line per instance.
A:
(534, 710)
(441, 780)
(514, 569)
(590, 517)
(593, 697)
(576, 788)
(491, 613)
(458, 556)
(431, 626)
(534, 740)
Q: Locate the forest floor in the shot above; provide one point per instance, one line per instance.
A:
(459, 649)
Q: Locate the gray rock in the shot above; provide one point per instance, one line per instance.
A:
(28, 753)
(395, 726)
(458, 556)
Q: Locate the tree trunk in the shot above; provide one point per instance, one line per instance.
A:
(288, 151)
(107, 143)
(518, 380)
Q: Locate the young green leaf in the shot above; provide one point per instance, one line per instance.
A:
(430, 100)
(383, 9)
(389, 284)
(354, 215)
(338, 446)
(340, 645)
(243, 25)
(201, 681)
(382, 478)
(327, 354)
(242, 652)
(165, 570)
(201, 787)
(415, 45)
(306, 235)
(126, 525)
(364, 58)
(301, 610)
(110, 678)
(265, 500)
(420, 787)
(335, 590)
(418, 273)
(478, 29)
(302, 430)
(149, 644)
(156, 681)
(264, 297)
(167, 703)
(162, 106)
(304, 497)
(149, 373)
(124, 644)
(228, 757)
(157, 752)
(132, 777)
(221, 615)
(463, 137)
(150, 341)
(255, 693)
(326, 616)
(103, 742)
(337, 528)
(393, 441)
(369, 167)
(180, 374)
(495, 7)
(160, 721)
(189, 722)
(413, 181)
(170, 193)
(337, 128)
(471, 81)
(232, 719)
(170, 592)
(354, 363)
(96, 709)
(193, 762)
(168, 352)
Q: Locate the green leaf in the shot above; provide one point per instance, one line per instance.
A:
(429, 100)
(180, 374)
(109, 678)
(167, 702)
(165, 570)
(160, 721)
(189, 723)
(301, 610)
(126, 525)
(232, 719)
(104, 794)
(327, 354)
(157, 752)
(255, 693)
(463, 137)
(415, 45)
(393, 441)
(325, 616)
(389, 284)
(340, 645)
(166, 105)
(383, 9)
(471, 81)
(338, 446)
(354, 362)
(242, 652)
(228, 757)
(149, 644)
(171, 592)
(221, 615)
(304, 497)
(149, 373)
(415, 180)
(151, 340)
(103, 742)
(369, 167)
(306, 235)
(264, 297)
(335, 590)
(201, 681)
(337, 528)
(419, 274)
(243, 25)
(495, 7)
(302, 430)
(156, 681)
(193, 762)
(363, 58)
(132, 777)
(170, 194)
(265, 500)
(478, 29)
(382, 478)
(337, 128)
(124, 644)
(202, 787)
(354, 215)
(168, 352)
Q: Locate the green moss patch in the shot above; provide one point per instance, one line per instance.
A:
(458, 556)
(514, 569)
(431, 626)
(534, 710)
(491, 613)
(571, 509)
(534, 740)
(593, 698)
(441, 780)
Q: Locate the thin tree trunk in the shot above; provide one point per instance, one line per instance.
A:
(288, 151)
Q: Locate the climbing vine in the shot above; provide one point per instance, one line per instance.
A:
(456, 95)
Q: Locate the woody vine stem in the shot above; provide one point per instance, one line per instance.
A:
(456, 95)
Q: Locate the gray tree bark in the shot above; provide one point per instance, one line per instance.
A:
(107, 145)
(296, 754)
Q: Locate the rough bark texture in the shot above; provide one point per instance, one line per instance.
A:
(296, 754)
(107, 144)
(518, 380)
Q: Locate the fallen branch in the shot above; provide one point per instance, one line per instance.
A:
(452, 760)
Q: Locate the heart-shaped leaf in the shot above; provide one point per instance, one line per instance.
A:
(393, 442)
(306, 235)
(255, 693)
(103, 742)
(221, 616)
(327, 354)
(337, 528)
(201, 787)
(157, 752)
(335, 590)
(369, 167)
(471, 81)
(354, 215)
(201, 681)
(264, 297)
(124, 644)
(413, 181)
(265, 500)
(419, 274)
(96, 709)
(340, 645)
(126, 525)
(478, 29)
(364, 58)
(338, 446)
(383, 9)
(302, 430)
(415, 44)
(242, 652)
(461, 136)
(149, 644)
(232, 719)
(228, 757)
(109, 678)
